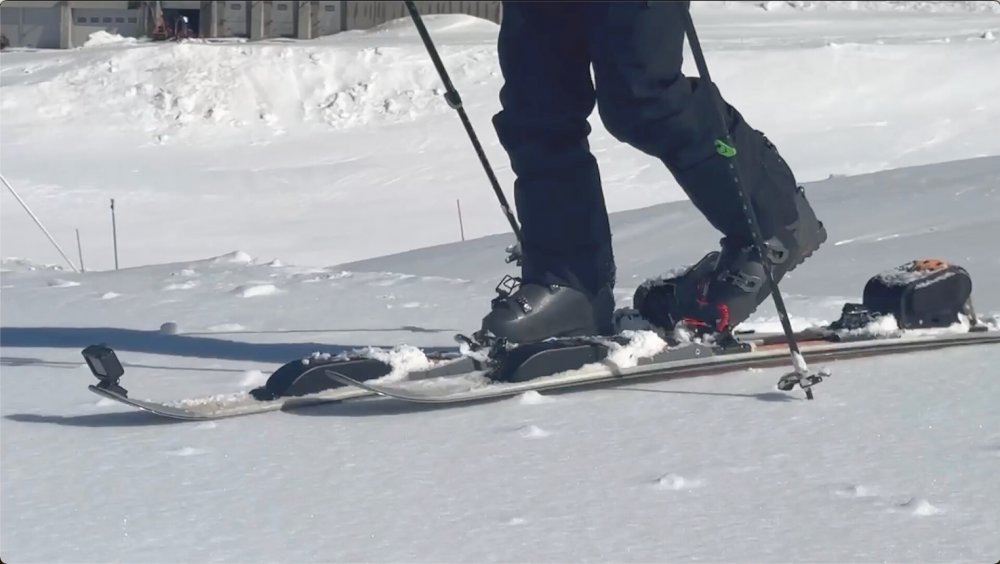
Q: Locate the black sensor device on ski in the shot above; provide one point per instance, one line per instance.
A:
(921, 294)
(105, 366)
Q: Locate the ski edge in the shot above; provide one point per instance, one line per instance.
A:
(605, 372)
(250, 406)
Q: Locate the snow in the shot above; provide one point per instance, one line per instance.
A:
(102, 37)
(332, 132)
(327, 216)
(256, 290)
(642, 344)
(534, 398)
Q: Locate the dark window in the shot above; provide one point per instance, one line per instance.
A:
(329, 7)
(95, 20)
(108, 20)
(134, 5)
(282, 7)
(236, 6)
(119, 20)
(81, 19)
(132, 20)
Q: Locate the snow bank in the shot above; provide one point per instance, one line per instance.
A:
(438, 25)
(859, 6)
(336, 82)
(102, 37)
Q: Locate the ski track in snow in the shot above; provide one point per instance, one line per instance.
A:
(338, 150)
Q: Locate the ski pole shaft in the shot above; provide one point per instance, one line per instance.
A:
(114, 232)
(79, 251)
(38, 222)
(750, 214)
(455, 102)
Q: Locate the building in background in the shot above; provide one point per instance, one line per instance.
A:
(54, 24)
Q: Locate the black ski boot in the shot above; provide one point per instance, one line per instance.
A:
(724, 288)
(530, 312)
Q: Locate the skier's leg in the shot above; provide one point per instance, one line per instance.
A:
(646, 101)
(546, 99)
(568, 266)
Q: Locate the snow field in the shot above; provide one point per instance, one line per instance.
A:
(300, 166)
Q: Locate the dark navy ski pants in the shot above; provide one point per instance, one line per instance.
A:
(546, 51)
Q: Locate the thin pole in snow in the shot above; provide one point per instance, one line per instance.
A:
(461, 227)
(114, 232)
(38, 222)
(79, 251)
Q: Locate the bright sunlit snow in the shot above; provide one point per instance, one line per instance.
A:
(280, 199)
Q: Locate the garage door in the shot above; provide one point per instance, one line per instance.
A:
(89, 20)
(31, 27)
(327, 21)
(235, 19)
(282, 19)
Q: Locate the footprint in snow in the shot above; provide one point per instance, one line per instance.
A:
(186, 451)
(515, 521)
(60, 283)
(918, 507)
(674, 482)
(857, 491)
(533, 432)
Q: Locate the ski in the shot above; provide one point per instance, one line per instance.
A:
(296, 384)
(452, 378)
(695, 360)
(228, 405)
(919, 306)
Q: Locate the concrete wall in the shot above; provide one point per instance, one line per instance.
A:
(280, 16)
(234, 18)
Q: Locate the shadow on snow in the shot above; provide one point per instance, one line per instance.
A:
(154, 342)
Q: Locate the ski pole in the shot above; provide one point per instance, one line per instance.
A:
(38, 222)
(798, 361)
(455, 102)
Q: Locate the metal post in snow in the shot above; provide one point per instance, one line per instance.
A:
(114, 232)
(461, 226)
(79, 251)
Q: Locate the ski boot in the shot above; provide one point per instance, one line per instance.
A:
(725, 287)
(530, 312)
